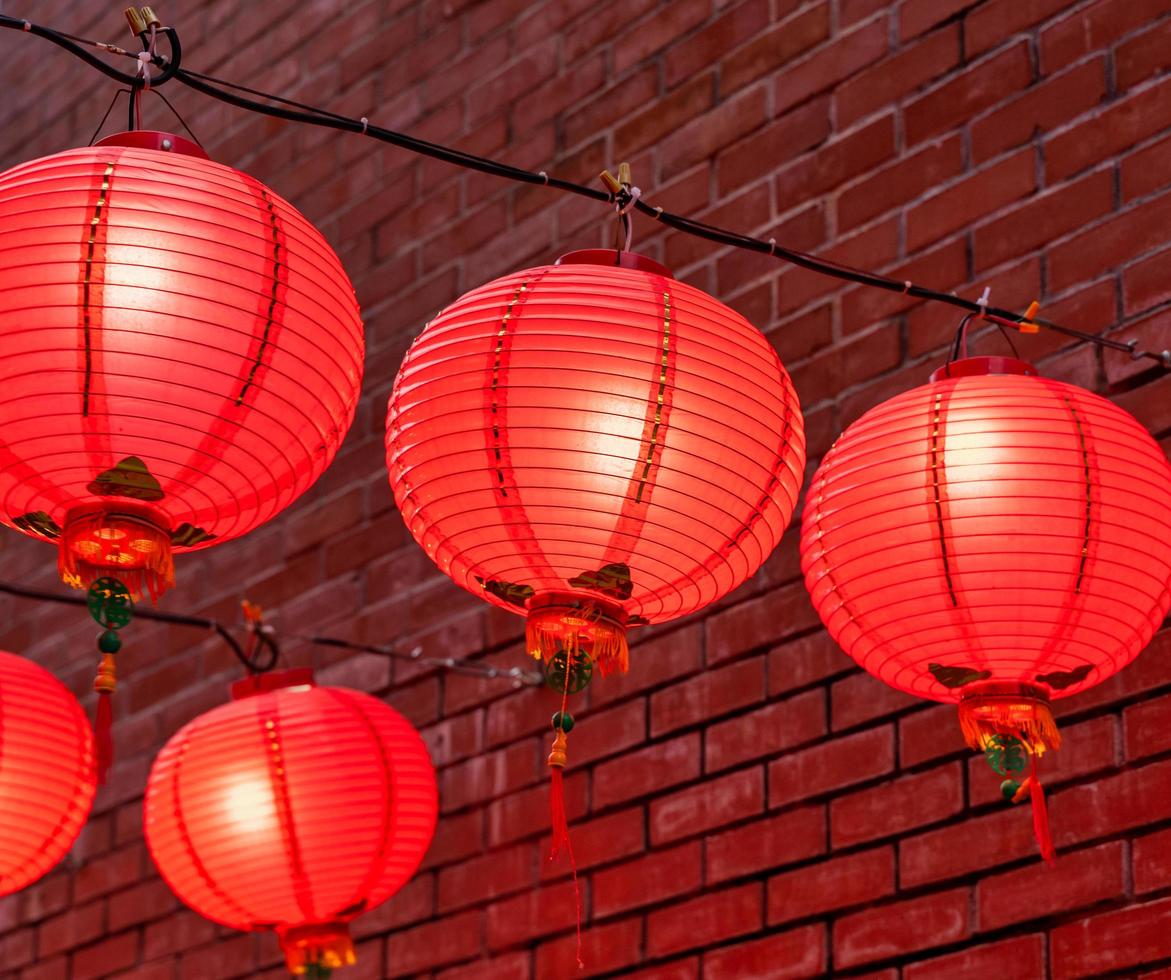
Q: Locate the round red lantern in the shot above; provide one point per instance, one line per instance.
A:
(594, 445)
(47, 774)
(180, 355)
(994, 539)
(293, 808)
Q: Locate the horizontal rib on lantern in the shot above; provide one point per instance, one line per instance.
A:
(162, 308)
(47, 774)
(292, 808)
(1002, 523)
(569, 418)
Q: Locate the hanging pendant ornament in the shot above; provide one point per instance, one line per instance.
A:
(996, 540)
(111, 607)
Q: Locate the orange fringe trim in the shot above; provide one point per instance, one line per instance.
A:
(327, 946)
(554, 628)
(132, 549)
(1020, 715)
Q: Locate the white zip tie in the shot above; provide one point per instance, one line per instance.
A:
(365, 125)
(982, 302)
(635, 194)
(144, 68)
(772, 247)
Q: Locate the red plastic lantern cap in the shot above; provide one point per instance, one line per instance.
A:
(993, 538)
(294, 808)
(47, 774)
(596, 445)
(180, 354)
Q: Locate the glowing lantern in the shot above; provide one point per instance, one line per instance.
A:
(594, 445)
(180, 355)
(294, 808)
(47, 777)
(997, 540)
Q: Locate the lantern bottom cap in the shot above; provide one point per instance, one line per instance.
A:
(1018, 710)
(126, 542)
(572, 623)
(323, 945)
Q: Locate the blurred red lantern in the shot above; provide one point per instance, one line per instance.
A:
(294, 808)
(594, 445)
(994, 539)
(180, 355)
(47, 775)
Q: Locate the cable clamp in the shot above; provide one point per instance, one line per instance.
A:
(633, 194)
(907, 287)
(365, 125)
(772, 247)
(27, 26)
(544, 176)
(144, 59)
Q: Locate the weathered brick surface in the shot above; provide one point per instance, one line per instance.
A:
(746, 803)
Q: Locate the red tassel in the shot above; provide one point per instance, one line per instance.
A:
(1041, 816)
(105, 744)
(561, 841)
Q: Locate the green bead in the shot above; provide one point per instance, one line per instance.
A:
(109, 642)
(563, 720)
(1009, 789)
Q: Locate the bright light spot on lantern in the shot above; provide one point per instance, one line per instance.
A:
(250, 805)
(110, 534)
(144, 546)
(87, 549)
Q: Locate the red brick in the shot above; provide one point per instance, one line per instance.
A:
(831, 766)
(524, 814)
(738, 24)
(840, 883)
(435, 943)
(74, 927)
(654, 663)
(108, 957)
(1112, 941)
(1076, 881)
(1141, 56)
(1121, 125)
(655, 32)
(845, 55)
(767, 731)
(897, 806)
(510, 966)
(905, 71)
(917, 16)
(978, 87)
(1042, 219)
(930, 734)
(704, 135)
(1151, 862)
(707, 805)
(901, 928)
(765, 844)
(600, 841)
(1092, 27)
(942, 268)
(1004, 835)
(710, 695)
(861, 698)
(1110, 805)
(650, 879)
(993, 22)
(599, 734)
(836, 162)
(232, 957)
(647, 770)
(1039, 109)
(905, 180)
(771, 50)
(784, 956)
(665, 115)
(968, 200)
(704, 921)
(1114, 242)
(758, 622)
(489, 775)
(1021, 958)
(486, 877)
(604, 948)
(805, 661)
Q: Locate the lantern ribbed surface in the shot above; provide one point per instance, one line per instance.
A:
(294, 809)
(598, 431)
(47, 774)
(992, 531)
(176, 341)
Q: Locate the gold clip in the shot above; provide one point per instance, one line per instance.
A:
(1027, 325)
(150, 17)
(135, 20)
(612, 184)
(624, 176)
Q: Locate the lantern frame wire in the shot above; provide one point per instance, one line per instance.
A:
(624, 196)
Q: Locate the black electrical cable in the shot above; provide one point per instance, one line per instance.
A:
(293, 111)
(264, 651)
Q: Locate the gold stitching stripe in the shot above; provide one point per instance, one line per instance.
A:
(650, 449)
(500, 334)
(86, 313)
(1081, 435)
(936, 466)
(272, 298)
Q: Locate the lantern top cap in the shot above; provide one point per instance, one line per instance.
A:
(149, 139)
(970, 367)
(274, 681)
(610, 257)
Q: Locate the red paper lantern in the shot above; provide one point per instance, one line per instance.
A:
(294, 808)
(993, 539)
(594, 445)
(180, 354)
(47, 775)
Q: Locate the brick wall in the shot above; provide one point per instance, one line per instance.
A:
(745, 803)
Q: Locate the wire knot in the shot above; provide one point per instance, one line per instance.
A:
(144, 60)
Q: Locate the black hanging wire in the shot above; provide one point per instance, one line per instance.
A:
(281, 108)
(261, 651)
